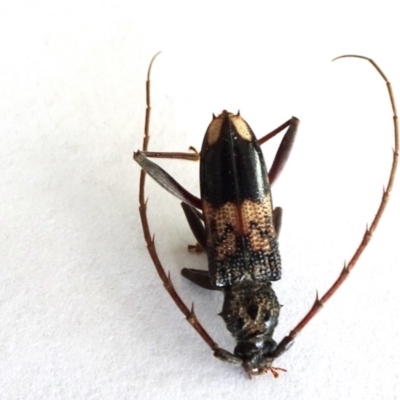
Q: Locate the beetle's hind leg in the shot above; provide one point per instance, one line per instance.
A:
(164, 179)
(284, 149)
(193, 155)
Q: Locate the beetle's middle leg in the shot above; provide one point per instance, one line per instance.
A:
(195, 220)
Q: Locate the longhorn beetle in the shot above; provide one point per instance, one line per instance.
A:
(236, 224)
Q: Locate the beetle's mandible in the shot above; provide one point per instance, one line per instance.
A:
(236, 224)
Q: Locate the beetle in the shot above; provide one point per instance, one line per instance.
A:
(235, 223)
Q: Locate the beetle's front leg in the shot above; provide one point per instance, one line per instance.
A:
(199, 277)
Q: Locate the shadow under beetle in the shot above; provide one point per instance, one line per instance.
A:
(238, 228)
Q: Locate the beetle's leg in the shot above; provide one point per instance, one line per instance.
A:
(194, 218)
(195, 248)
(277, 217)
(292, 122)
(199, 277)
(166, 180)
(284, 149)
(193, 156)
(287, 341)
(163, 178)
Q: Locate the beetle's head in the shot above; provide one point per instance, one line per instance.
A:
(251, 312)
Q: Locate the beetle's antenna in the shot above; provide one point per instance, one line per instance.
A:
(368, 232)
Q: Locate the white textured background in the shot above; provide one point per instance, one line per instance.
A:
(82, 313)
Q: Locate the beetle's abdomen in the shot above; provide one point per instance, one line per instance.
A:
(237, 205)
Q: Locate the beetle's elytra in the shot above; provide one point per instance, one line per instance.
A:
(236, 224)
(241, 240)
